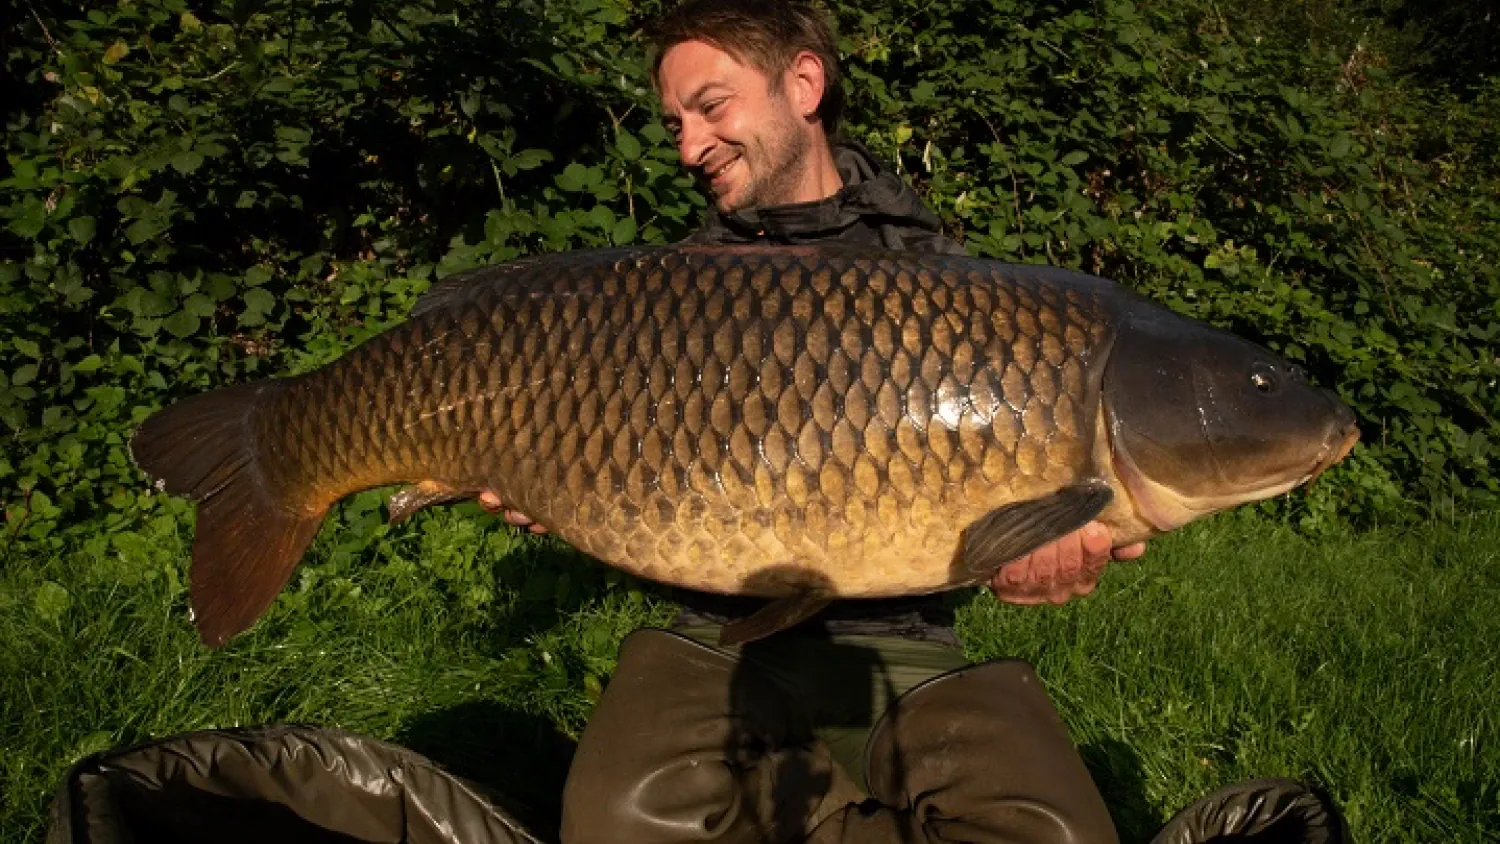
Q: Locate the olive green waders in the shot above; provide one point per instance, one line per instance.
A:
(765, 744)
(774, 743)
(279, 784)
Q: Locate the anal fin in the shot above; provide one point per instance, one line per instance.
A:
(1012, 531)
(773, 617)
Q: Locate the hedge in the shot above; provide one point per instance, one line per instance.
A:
(203, 193)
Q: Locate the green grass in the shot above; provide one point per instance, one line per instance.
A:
(1235, 649)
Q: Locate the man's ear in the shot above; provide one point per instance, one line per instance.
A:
(805, 83)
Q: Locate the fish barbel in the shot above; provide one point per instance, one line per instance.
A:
(799, 423)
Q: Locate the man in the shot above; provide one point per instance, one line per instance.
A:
(830, 736)
(756, 130)
(690, 743)
(782, 740)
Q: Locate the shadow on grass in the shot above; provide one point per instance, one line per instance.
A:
(523, 758)
(553, 582)
(1117, 772)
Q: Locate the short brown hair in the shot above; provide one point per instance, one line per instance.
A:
(765, 34)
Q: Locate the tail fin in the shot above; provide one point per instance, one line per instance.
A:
(248, 540)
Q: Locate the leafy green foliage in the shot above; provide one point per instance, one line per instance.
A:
(209, 195)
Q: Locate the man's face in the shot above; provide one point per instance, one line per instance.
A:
(745, 142)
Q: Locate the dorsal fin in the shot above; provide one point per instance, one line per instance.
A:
(442, 292)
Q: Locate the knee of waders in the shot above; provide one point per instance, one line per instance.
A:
(690, 744)
(1268, 811)
(985, 747)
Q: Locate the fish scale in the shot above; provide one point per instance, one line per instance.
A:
(799, 422)
(549, 385)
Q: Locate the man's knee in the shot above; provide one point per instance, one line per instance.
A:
(684, 746)
(985, 749)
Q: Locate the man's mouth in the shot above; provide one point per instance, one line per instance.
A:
(718, 174)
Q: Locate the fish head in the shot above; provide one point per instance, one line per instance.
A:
(1200, 420)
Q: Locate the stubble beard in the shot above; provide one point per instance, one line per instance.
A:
(777, 160)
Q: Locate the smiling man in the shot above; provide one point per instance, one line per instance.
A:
(789, 738)
(753, 94)
(740, 135)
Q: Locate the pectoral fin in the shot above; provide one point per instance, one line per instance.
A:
(425, 494)
(773, 617)
(1008, 532)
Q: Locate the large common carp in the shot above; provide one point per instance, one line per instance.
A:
(798, 423)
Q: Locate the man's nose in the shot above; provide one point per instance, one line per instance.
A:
(693, 142)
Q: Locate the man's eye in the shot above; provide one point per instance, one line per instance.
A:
(712, 106)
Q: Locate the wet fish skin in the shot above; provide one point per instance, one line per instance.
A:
(783, 421)
(698, 419)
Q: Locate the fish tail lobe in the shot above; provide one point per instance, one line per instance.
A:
(248, 537)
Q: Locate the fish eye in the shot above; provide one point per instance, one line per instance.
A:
(1263, 378)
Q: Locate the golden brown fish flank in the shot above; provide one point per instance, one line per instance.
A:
(753, 420)
(670, 397)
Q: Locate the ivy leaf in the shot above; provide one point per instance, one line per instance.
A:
(258, 303)
(181, 324)
(199, 305)
(654, 133)
(32, 220)
(116, 51)
(186, 161)
(142, 230)
(629, 147)
(81, 228)
(530, 159)
(624, 231)
(576, 177)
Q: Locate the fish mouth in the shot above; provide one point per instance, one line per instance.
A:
(1332, 453)
(1167, 509)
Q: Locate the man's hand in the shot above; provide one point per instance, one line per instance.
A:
(1067, 568)
(492, 503)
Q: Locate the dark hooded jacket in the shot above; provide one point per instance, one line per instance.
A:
(874, 207)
